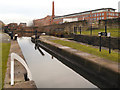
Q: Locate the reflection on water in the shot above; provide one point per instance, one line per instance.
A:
(48, 72)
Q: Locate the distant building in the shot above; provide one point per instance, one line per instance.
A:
(1, 23)
(119, 8)
(43, 22)
(12, 26)
(48, 20)
(90, 16)
(22, 25)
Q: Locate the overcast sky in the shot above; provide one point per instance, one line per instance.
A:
(27, 10)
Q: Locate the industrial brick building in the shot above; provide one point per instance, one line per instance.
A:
(43, 22)
(91, 16)
(48, 20)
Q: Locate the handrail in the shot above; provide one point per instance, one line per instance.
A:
(18, 58)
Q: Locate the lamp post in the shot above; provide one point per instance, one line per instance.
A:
(99, 34)
(35, 39)
(105, 27)
(109, 42)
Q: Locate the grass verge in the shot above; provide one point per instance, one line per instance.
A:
(4, 47)
(114, 32)
(87, 48)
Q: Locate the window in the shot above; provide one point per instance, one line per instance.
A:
(97, 18)
(116, 14)
(102, 17)
(100, 14)
(103, 13)
(111, 10)
(97, 14)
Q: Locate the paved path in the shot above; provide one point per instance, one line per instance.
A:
(4, 38)
(19, 70)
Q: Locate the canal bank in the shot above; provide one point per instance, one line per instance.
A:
(20, 71)
(102, 73)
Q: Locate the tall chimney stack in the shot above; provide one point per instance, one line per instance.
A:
(53, 12)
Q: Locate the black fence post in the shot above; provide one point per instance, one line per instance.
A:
(100, 44)
(109, 43)
(80, 30)
(11, 35)
(105, 27)
(91, 30)
(76, 30)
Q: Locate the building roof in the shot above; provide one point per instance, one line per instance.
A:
(84, 12)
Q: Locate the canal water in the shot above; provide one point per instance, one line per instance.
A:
(48, 72)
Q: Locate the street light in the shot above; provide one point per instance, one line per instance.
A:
(99, 34)
(106, 27)
(109, 42)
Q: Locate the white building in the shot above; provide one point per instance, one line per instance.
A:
(1, 25)
(69, 19)
(119, 6)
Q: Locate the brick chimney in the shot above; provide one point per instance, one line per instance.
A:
(53, 12)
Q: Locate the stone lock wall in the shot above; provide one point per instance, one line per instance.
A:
(94, 40)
